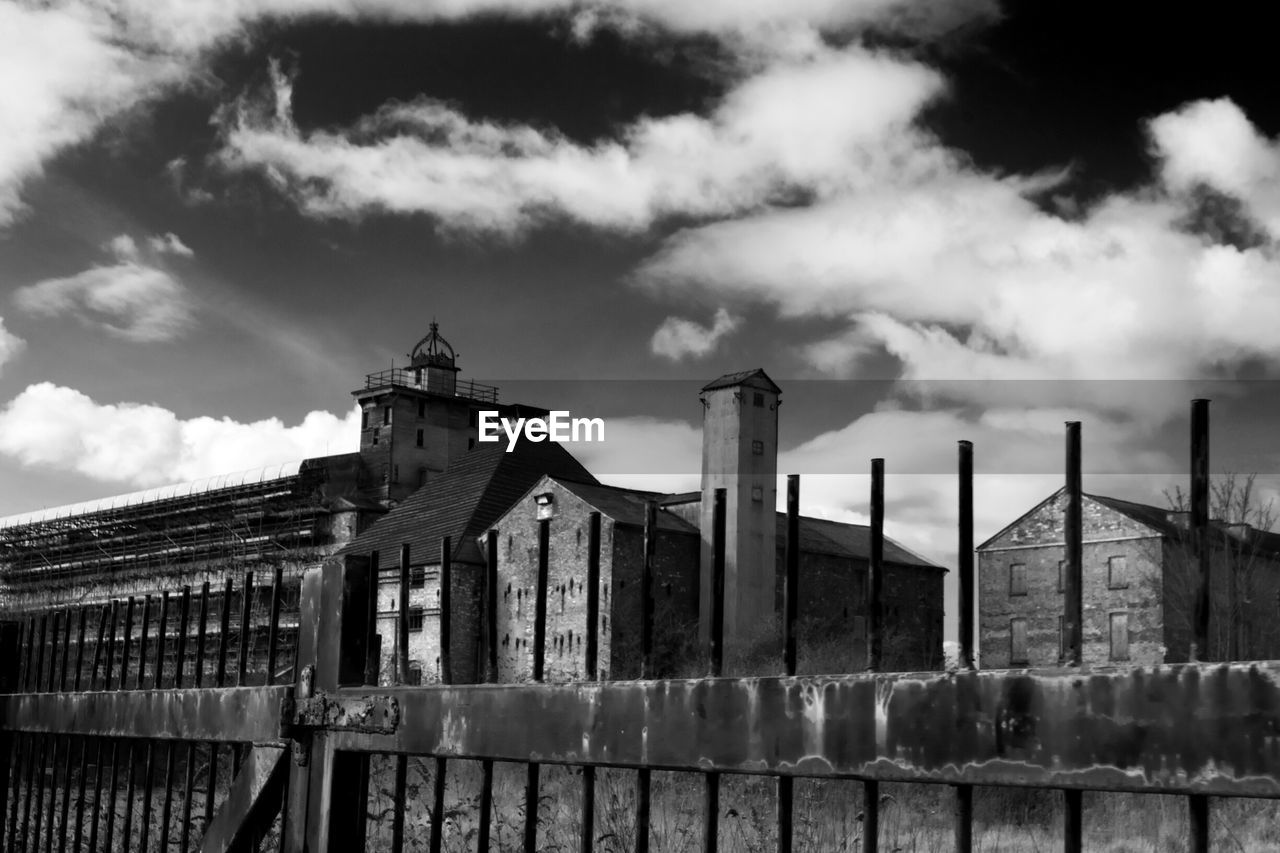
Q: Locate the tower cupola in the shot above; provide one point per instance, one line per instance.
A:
(433, 363)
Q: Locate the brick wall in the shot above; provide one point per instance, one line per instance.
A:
(1037, 543)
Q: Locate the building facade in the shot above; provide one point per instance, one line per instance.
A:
(1140, 579)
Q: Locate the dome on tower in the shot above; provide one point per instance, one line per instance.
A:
(433, 350)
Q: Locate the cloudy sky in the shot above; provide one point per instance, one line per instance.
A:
(928, 221)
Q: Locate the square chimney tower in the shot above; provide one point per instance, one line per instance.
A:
(740, 455)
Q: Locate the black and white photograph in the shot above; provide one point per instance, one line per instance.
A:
(612, 426)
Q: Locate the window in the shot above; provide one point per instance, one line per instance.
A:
(364, 419)
(417, 577)
(1018, 579)
(421, 437)
(422, 408)
(375, 435)
(757, 448)
(758, 400)
(1119, 636)
(386, 414)
(757, 493)
(415, 674)
(1062, 576)
(416, 617)
(1017, 641)
(1116, 576)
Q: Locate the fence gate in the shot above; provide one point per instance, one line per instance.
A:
(141, 743)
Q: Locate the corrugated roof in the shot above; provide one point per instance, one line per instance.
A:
(464, 501)
(742, 377)
(626, 505)
(251, 476)
(823, 536)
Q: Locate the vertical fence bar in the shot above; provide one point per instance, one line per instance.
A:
(162, 645)
(111, 643)
(446, 677)
(717, 583)
(644, 789)
(55, 622)
(10, 667)
(53, 791)
(66, 791)
(711, 812)
(402, 677)
(127, 648)
(491, 675)
(97, 795)
(202, 628)
(66, 650)
(148, 774)
(592, 672)
(273, 625)
(84, 615)
(130, 791)
(373, 656)
(34, 796)
(790, 608)
(402, 622)
(964, 793)
(41, 641)
(22, 748)
(875, 641)
(647, 569)
(81, 792)
(142, 643)
(113, 795)
(1198, 804)
(533, 776)
(184, 628)
(224, 630)
(491, 607)
(1073, 617)
(246, 630)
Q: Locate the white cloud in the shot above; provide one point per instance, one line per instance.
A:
(77, 64)
(133, 299)
(810, 124)
(169, 244)
(678, 338)
(10, 344)
(145, 445)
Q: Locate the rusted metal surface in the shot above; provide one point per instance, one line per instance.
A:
(875, 572)
(374, 714)
(236, 713)
(1200, 525)
(1073, 552)
(252, 801)
(718, 528)
(1211, 729)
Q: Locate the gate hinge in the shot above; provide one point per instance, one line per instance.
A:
(372, 714)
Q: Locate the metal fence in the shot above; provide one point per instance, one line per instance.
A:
(83, 711)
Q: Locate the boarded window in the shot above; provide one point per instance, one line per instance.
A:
(1018, 579)
(1117, 577)
(757, 493)
(416, 618)
(758, 400)
(415, 674)
(1017, 640)
(422, 408)
(1119, 636)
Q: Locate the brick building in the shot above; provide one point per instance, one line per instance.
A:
(420, 475)
(1140, 579)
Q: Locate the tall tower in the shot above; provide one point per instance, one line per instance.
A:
(740, 455)
(415, 419)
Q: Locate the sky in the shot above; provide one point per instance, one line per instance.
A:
(927, 221)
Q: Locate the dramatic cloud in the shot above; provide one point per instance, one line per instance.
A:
(10, 344)
(678, 338)
(813, 125)
(144, 445)
(131, 299)
(75, 65)
(962, 274)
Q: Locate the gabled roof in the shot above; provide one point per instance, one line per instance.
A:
(464, 501)
(626, 506)
(755, 377)
(840, 539)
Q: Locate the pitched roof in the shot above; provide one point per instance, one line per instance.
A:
(743, 377)
(823, 536)
(464, 501)
(626, 506)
